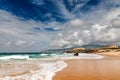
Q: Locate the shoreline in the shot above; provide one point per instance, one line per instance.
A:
(98, 66)
(29, 70)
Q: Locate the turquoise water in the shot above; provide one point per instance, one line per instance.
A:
(4, 56)
(48, 56)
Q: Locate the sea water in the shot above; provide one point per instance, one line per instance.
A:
(46, 71)
(45, 56)
(9, 56)
(49, 64)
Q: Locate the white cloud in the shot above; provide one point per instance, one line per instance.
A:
(21, 32)
(99, 26)
(76, 23)
(8, 43)
(79, 42)
(115, 22)
(96, 34)
(63, 10)
(75, 34)
(20, 43)
(114, 13)
(56, 25)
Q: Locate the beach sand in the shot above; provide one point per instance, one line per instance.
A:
(88, 69)
(107, 68)
(111, 53)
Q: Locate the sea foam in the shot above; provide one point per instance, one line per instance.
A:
(90, 56)
(14, 57)
(82, 56)
(46, 72)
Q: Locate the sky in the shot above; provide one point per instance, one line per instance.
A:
(36, 25)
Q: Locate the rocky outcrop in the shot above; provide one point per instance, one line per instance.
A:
(76, 50)
(94, 50)
(79, 49)
(112, 47)
(91, 50)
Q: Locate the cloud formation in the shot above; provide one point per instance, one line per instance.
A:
(59, 24)
(101, 26)
(21, 34)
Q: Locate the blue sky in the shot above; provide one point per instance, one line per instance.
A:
(35, 25)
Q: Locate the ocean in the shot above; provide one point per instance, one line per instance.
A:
(52, 55)
(30, 56)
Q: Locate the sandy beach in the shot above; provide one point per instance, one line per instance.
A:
(107, 68)
(82, 67)
(99, 69)
(111, 53)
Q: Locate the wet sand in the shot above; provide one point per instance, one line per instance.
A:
(30, 70)
(88, 69)
(16, 69)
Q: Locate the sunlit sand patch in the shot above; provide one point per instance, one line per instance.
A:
(88, 69)
(112, 53)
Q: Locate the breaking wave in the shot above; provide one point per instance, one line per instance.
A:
(14, 57)
(51, 56)
(46, 72)
(48, 64)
